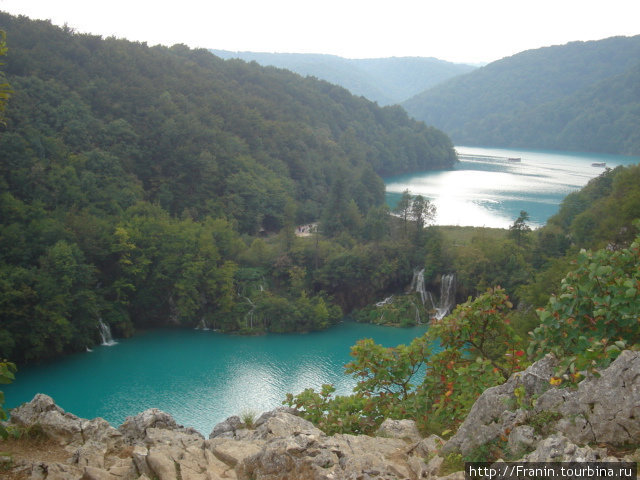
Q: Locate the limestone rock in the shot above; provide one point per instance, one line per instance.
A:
(93, 473)
(57, 424)
(557, 448)
(604, 409)
(285, 424)
(134, 429)
(99, 430)
(489, 417)
(232, 452)
(309, 455)
(428, 447)
(403, 429)
(91, 454)
(162, 466)
(227, 428)
(54, 471)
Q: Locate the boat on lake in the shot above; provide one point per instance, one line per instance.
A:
(599, 164)
(514, 159)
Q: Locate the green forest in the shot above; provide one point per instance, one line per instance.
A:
(149, 185)
(582, 96)
(386, 81)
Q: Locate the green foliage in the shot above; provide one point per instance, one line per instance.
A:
(248, 417)
(7, 371)
(402, 310)
(582, 96)
(141, 185)
(387, 81)
(595, 315)
(519, 229)
(603, 211)
(457, 359)
(488, 259)
(543, 421)
(5, 89)
(451, 463)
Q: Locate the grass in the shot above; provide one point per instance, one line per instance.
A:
(248, 417)
(459, 236)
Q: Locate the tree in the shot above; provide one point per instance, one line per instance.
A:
(7, 370)
(478, 349)
(595, 315)
(422, 211)
(403, 208)
(519, 229)
(5, 89)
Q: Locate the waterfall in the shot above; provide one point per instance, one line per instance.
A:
(202, 325)
(105, 333)
(384, 302)
(250, 312)
(417, 285)
(447, 296)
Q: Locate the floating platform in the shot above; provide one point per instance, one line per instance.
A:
(474, 156)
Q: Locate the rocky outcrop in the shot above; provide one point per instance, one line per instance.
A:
(534, 421)
(602, 410)
(280, 445)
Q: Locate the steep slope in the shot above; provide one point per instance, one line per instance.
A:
(194, 126)
(384, 80)
(563, 97)
(133, 178)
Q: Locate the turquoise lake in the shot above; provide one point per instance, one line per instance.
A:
(199, 377)
(490, 191)
(202, 377)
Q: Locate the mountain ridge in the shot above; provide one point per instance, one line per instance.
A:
(387, 81)
(543, 98)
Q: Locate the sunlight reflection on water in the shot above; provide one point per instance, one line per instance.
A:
(491, 192)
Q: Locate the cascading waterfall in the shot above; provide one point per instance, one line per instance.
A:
(105, 333)
(417, 285)
(420, 285)
(447, 296)
(202, 325)
(250, 312)
(442, 308)
(386, 301)
(447, 293)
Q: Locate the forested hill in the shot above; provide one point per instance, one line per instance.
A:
(387, 81)
(196, 131)
(580, 96)
(132, 178)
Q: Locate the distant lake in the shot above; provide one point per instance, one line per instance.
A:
(199, 377)
(486, 189)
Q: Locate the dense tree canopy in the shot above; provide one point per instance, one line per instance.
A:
(136, 185)
(582, 96)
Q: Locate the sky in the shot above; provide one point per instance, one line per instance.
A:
(463, 31)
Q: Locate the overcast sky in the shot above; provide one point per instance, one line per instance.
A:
(471, 31)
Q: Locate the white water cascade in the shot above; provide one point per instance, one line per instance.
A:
(440, 309)
(202, 325)
(417, 285)
(447, 296)
(447, 293)
(105, 333)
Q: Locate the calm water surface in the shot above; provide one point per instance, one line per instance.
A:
(202, 377)
(491, 192)
(199, 377)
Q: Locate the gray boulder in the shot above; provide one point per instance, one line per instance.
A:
(491, 415)
(602, 410)
(56, 424)
(403, 429)
(134, 429)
